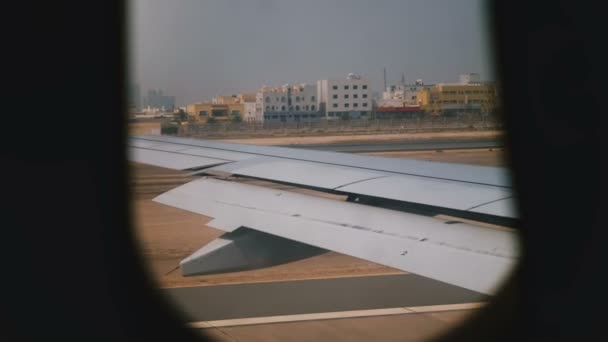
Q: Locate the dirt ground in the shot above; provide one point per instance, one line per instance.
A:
(472, 135)
(152, 127)
(167, 235)
(145, 128)
(486, 157)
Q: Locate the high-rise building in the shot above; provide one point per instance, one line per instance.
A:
(157, 100)
(134, 97)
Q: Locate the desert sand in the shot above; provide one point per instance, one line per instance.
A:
(362, 138)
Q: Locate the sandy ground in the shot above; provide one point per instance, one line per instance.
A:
(153, 128)
(145, 128)
(167, 235)
(370, 138)
(487, 157)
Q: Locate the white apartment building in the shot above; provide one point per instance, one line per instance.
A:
(346, 98)
(288, 103)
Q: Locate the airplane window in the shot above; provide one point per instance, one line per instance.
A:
(396, 218)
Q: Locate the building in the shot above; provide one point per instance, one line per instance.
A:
(202, 112)
(246, 97)
(400, 112)
(224, 108)
(349, 98)
(134, 98)
(288, 103)
(240, 98)
(402, 94)
(250, 114)
(400, 101)
(259, 105)
(225, 100)
(249, 107)
(156, 100)
(468, 97)
(470, 78)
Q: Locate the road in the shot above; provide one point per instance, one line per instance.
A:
(404, 146)
(209, 303)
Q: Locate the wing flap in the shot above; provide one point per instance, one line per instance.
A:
(472, 257)
(440, 185)
(301, 173)
(407, 188)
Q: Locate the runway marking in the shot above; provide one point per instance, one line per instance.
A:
(446, 307)
(333, 315)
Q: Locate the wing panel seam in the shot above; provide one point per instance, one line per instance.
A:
(482, 204)
(186, 154)
(359, 181)
(343, 165)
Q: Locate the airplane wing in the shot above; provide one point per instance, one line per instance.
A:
(389, 218)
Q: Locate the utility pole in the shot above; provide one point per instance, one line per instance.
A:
(384, 80)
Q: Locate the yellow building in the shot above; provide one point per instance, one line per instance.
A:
(201, 112)
(451, 99)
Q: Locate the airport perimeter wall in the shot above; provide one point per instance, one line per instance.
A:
(334, 127)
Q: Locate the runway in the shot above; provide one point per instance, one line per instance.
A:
(222, 302)
(404, 146)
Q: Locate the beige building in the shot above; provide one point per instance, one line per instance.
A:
(224, 108)
(201, 112)
(246, 97)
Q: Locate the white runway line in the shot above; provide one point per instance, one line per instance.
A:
(333, 315)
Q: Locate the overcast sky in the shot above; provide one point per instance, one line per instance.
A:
(197, 49)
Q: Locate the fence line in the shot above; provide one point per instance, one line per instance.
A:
(338, 127)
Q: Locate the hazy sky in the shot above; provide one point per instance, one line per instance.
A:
(197, 49)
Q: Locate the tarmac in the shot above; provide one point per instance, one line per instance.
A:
(222, 302)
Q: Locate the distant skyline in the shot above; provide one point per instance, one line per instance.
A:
(195, 50)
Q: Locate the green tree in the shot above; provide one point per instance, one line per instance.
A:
(180, 116)
(169, 130)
